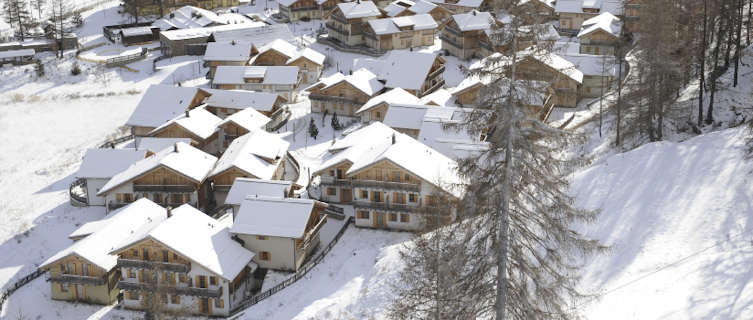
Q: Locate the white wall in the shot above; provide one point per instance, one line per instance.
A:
(93, 185)
(281, 251)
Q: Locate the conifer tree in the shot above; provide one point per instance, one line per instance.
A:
(313, 130)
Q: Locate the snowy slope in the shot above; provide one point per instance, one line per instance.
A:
(678, 216)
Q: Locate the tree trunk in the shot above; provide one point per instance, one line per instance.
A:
(737, 39)
(715, 74)
(702, 57)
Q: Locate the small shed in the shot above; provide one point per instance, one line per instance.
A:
(17, 57)
(139, 35)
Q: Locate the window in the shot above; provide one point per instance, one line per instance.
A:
(399, 197)
(62, 268)
(131, 273)
(219, 303)
(264, 255)
(176, 198)
(332, 173)
(395, 176)
(175, 299)
(331, 191)
(157, 197)
(376, 196)
(404, 217)
(146, 253)
(175, 256)
(378, 115)
(339, 173)
(363, 214)
(165, 256)
(407, 177)
(213, 281)
(412, 197)
(64, 287)
(430, 200)
(202, 281)
(119, 197)
(364, 194)
(132, 295)
(261, 237)
(127, 198)
(393, 216)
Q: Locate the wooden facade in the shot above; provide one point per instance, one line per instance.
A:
(342, 98)
(406, 38)
(349, 32)
(306, 9)
(565, 88)
(162, 7)
(598, 42)
(162, 185)
(174, 130)
(462, 44)
(75, 279)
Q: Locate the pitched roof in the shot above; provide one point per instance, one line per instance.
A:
(199, 238)
(577, 6)
(260, 34)
(358, 9)
(183, 159)
(362, 79)
(593, 65)
(289, 3)
(206, 32)
(258, 152)
(310, 54)
(155, 144)
(373, 143)
(280, 75)
(604, 21)
(187, 17)
(228, 51)
(243, 187)
(292, 52)
(555, 62)
(400, 69)
(473, 20)
(405, 116)
(441, 97)
(242, 99)
(273, 216)
(248, 119)
(105, 163)
(198, 121)
(454, 143)
(161, 103)
(393, 25)
(396, 95)
(140, 215)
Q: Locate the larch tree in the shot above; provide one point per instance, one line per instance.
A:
(16, 14)
(61, 11)
(514, 252)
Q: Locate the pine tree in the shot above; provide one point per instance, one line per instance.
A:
(61, 11)
(519, 254)
(17, 15)
(335, 122)
(313, 130)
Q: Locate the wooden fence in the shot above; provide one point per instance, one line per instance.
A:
(121, 60)
(18, 284)
(113, 142)
(297, 276)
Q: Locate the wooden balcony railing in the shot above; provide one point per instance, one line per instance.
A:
(163, 188)
(74, 278)
(329, 180)
(159, 265)
(185, 291)
(387, 206)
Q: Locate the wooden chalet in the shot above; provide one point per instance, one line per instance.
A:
(462, 35)
(403, 8)
(400, 32)
(224, 103)
(282, 53)
(197, 124)
(563, 76)
(572, 13)
(344, 94)
(346, 23)
(599, 35)
(294, 10)
(234, 53)
(160, 104)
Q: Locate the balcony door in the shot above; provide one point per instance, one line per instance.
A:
(346, 195)
(379, 220)
(205, 307)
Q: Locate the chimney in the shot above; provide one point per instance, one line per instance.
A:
(393, 138)
(187, 115)
(175, 147)
(169, 211)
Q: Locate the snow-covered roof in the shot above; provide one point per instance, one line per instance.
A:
(161, 103)
(90, 227)
(183, 34)
(405, 116)
(281, 46)
(555, 62)
(242, 99)
(441, 97)
(105, 163)
(469, 3)
(228, 51)
(248, 118)
(156, 144)
(310, 54)
(136, 31)
(276, 75)
(143, 214)
(473, 20)
(16, 53)
(259, 34)
(183, 159)
(188, 17)
(393, 25)
(593, 65)
(362, 79)
(289, 3)
(197, 121)
(199, 238)
(400, 69)
(396, 95)
(258, 153)
(604, 21)
(396, 7)
(577, 6)
(273, 216)
(454, 143)
(549, 3)
(374, 143)
(243, 187)
(422, 6)
(359, 9)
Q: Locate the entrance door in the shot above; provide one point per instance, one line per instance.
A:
(379, 220)
(346, 195)
(204, 306)
(76, 292)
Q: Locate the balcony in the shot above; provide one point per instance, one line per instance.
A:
(386, 206)
(144, 264)
(312, 236)
(449, 41)
(322, 97)
(163, 188)
(184, 291)
(74, 278)
(437, 72)
(303, 9)
(328, 180)
(453, 31)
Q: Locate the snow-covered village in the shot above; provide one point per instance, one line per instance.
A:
(376, 159)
